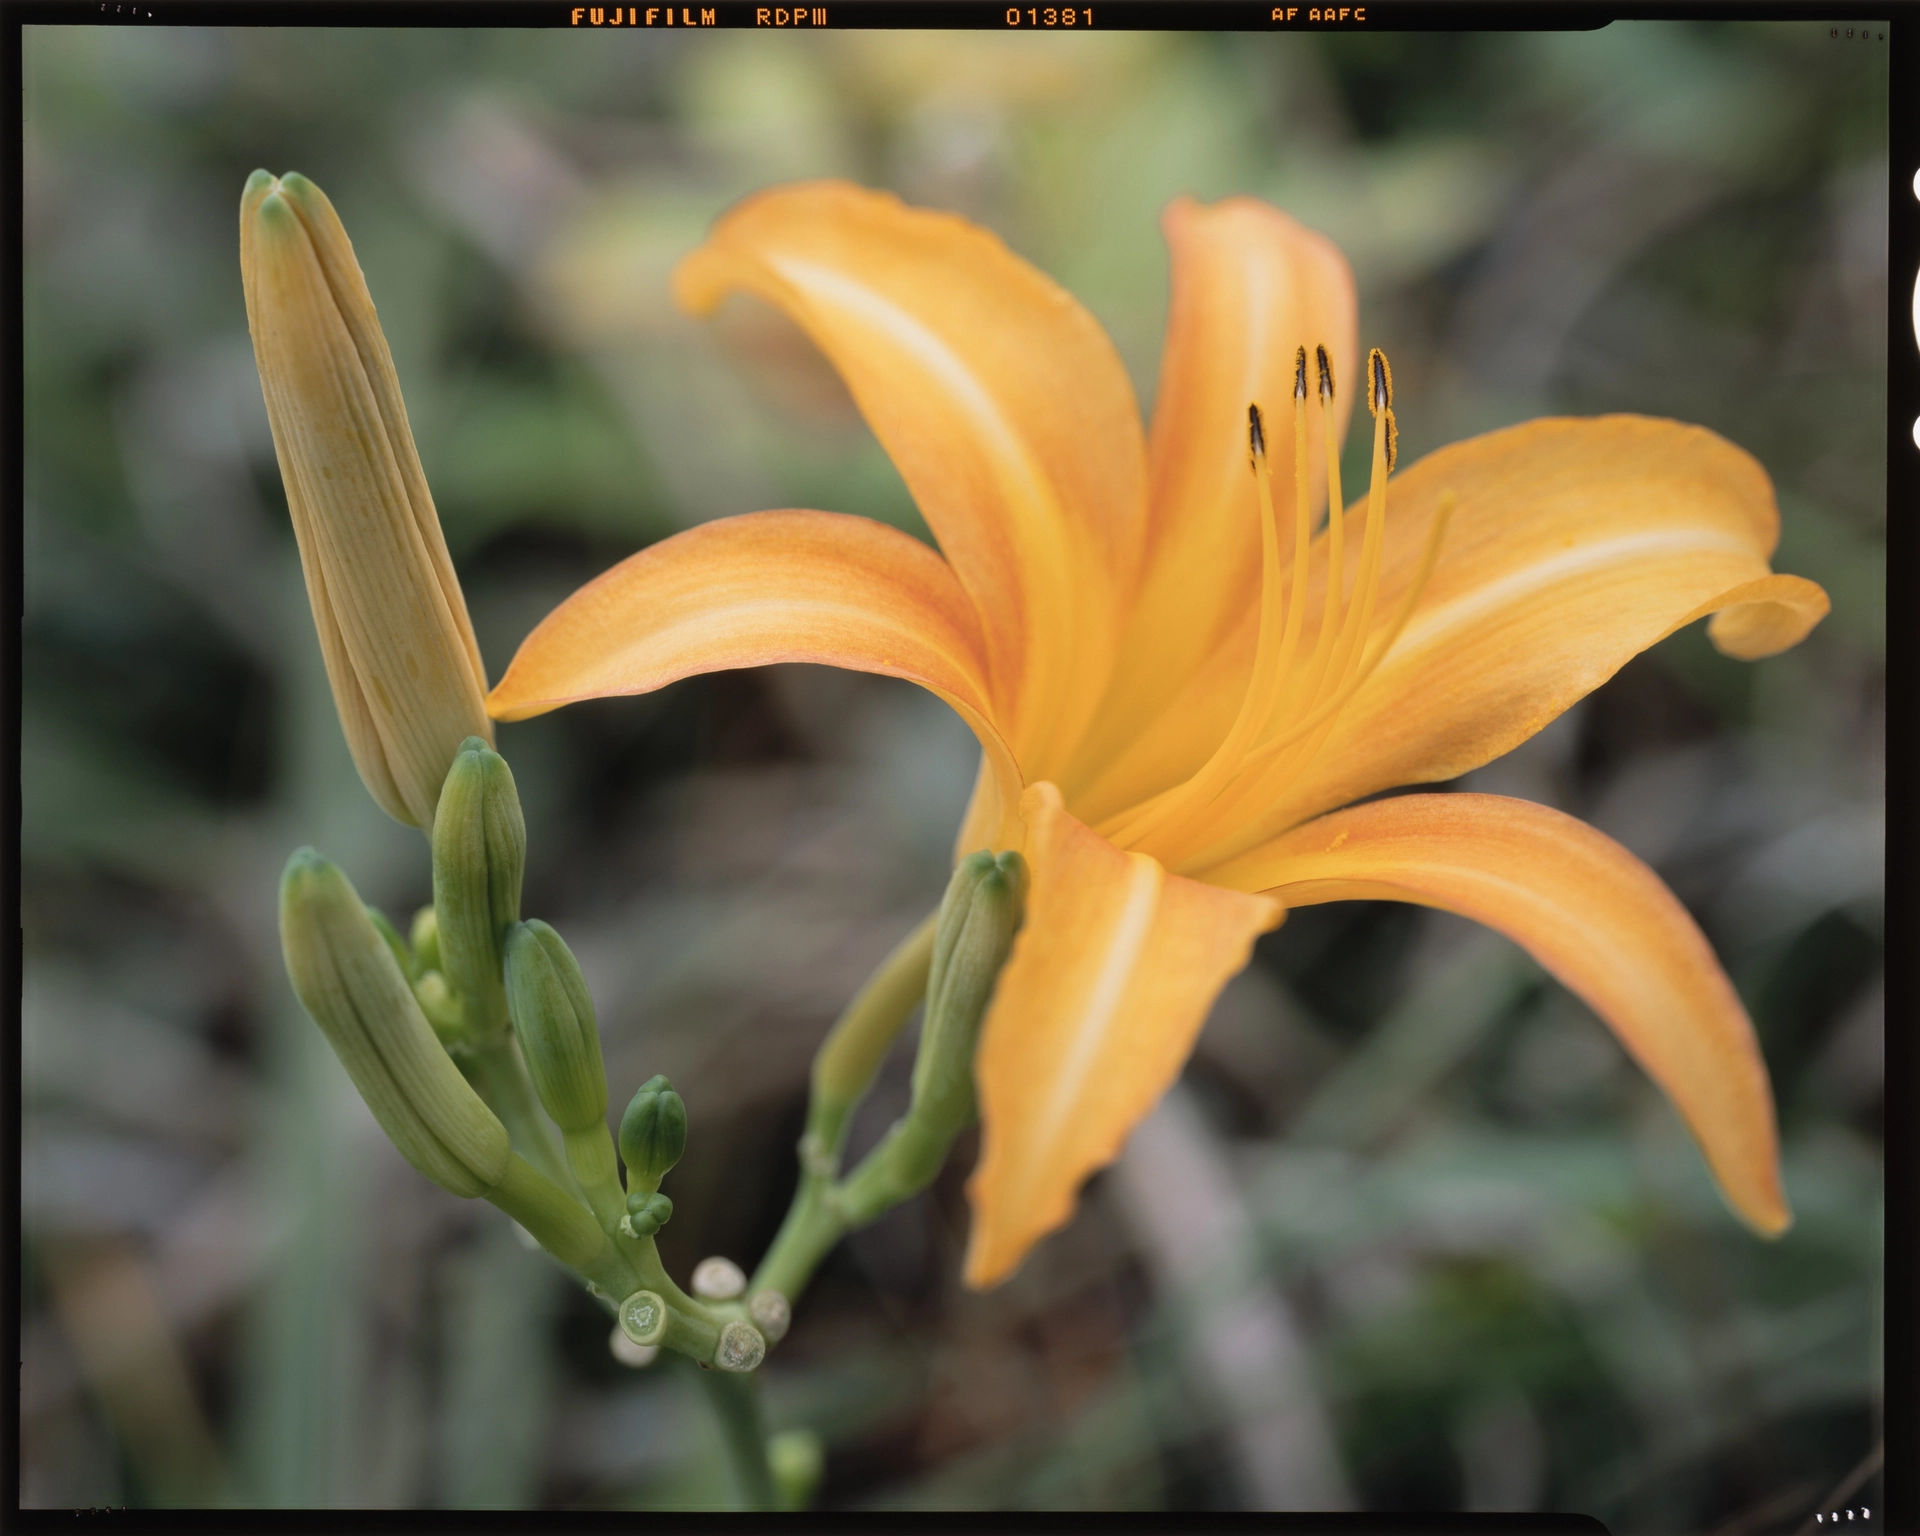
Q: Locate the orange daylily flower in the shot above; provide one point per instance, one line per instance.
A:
(1176, 687)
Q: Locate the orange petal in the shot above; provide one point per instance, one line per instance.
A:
(1588, 911)
(1575, 545)
(1096, 1011)
(747, 591)
(1250, 285)
(1000, 400)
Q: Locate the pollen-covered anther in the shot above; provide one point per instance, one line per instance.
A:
(1381, 377)
(1380, 401)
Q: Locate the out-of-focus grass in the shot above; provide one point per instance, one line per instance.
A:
(1479, 1257)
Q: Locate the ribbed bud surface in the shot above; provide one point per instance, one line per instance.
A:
(479, 859)
(399, 648)
(350, 982)
(553, 1017)
(653, 1134)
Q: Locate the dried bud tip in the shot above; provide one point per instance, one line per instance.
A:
(741, 1347)
(628, 1353)
(718, 1279)
(772, 1313)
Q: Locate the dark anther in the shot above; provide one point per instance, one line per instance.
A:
(1382, 380)
(1326, 372)
(1256, 433)
(1300, 374)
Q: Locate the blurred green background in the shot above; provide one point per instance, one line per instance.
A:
(1412, 1234)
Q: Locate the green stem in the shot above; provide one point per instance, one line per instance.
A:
(843, 1071)
(849, 1058)
(736, 1401)
(644, 1256)
(906, 1161)
(497, 1075)
(813, 1225)
(562, 1226)
(590, 1156)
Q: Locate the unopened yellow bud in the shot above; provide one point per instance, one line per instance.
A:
(400, 653)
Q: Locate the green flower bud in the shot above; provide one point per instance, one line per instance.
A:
(797, 1461)
(442, 1008)
(646, 1214)
(425, 938)
(978, 919)
(479, 856)
(553, 1016)
(346, 976)
(653, 1134)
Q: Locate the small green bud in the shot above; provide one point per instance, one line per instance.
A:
(349, 981)
(646, 1214)
(553, 1016)
(797, 1461)
(442, 1008)
(425, 935)
(479, 856)
(653, 1134)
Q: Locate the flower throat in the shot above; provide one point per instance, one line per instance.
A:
(1293, 696)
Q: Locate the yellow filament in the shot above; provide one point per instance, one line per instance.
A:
(1336, 537)
(1228, 808)
(1262, 683)
(1378, 653)
(1353, 624)
(1203, 809)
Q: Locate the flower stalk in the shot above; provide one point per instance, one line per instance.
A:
(964, 945)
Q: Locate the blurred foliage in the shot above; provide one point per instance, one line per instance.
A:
(1436, 1243)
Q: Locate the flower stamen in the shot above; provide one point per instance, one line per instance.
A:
(1271, 649)
(1303, 705)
